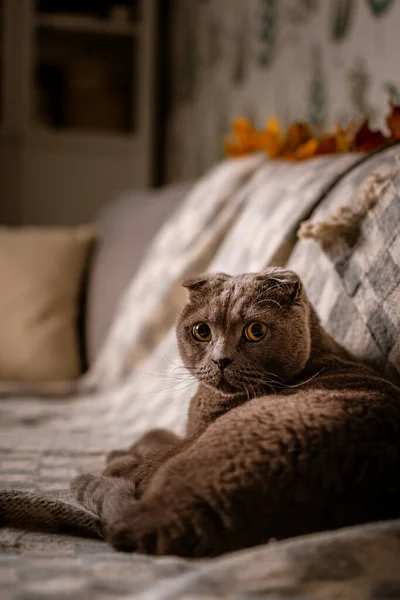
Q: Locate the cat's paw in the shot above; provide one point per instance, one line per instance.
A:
(90, 491)
(80, 485)
(114, 454)
(152, 527)
(104, 496)
(141, 529)
(121, 536)
(124, 466)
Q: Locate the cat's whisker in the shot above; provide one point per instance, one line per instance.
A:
(176, 364)
(253, 389)
(266, 382)
(163, 371)
(172, 388)
(245, 387)
(303, 382)
(272, 376)
(167, 376)
(287, 385)
(272, 387)
(257, 370)
(257, 390)
(185, 388)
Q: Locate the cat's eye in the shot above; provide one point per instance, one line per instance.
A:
(201, 332)
(255, 332)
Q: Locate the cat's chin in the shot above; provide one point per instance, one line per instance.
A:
(225, 388)
(228, 389)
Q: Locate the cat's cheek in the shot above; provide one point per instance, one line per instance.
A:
(188, 354)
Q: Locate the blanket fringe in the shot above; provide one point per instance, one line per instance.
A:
(345, 222)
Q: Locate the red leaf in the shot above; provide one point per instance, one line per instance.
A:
(365, 139)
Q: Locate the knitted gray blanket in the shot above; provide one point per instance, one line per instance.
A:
(34, 512)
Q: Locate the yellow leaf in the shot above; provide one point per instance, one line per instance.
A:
(343, 139)
(306, 150)
(273, 126)
(270, 139)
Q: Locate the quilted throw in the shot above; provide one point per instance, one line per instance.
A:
(358, 296)
(249, 211)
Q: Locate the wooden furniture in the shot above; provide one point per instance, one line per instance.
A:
(76, 106)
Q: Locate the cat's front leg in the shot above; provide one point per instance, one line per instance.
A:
(171, 522)
(103, 496)
(125, 466)
(156, 526)
(152, 440)
(124, 463)
(141, 470)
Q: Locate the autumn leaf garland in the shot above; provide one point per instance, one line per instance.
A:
(299, 142)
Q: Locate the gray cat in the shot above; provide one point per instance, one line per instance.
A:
(287, 433)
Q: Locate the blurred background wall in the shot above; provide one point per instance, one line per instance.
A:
(324, 61)
(102, 96)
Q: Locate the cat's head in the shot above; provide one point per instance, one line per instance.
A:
(245, 334)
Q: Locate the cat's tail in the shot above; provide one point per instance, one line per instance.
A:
(34, 512)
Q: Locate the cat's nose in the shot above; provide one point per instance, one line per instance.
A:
(223, 362)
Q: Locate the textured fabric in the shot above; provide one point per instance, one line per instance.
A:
(41, 276)
(46, 442)
(35, 512)
(126, 227)
(357, 291)
(360, 563)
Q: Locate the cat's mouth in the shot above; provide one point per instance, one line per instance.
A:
(223, 385)
(221, 381)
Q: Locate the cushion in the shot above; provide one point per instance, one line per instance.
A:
(41, 276)
(127, 225)
(354, 282)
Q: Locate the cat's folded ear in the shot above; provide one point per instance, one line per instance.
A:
(284, 283)
(195, 283)
(201, 282)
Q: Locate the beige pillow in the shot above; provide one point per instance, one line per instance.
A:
(41, 277)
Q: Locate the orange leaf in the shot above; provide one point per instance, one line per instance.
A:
(243, 140)
(343, 139)
(270, 139)
(232, 150)
(273, 126)
(307, 150)
(241, 125)
(297, 135)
